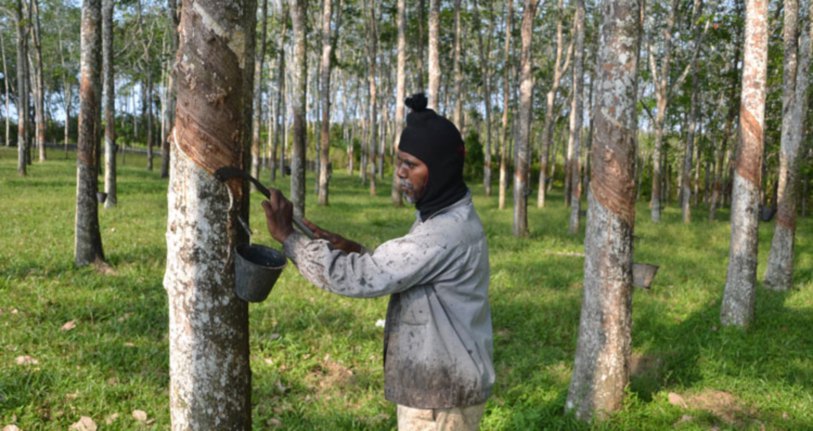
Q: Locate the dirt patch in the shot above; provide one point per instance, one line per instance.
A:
(721, 404)
(329, 375)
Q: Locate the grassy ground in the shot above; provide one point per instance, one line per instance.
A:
(316, 357)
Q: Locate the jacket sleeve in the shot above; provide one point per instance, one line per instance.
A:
(394, 266)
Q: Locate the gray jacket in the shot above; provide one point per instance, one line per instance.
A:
(438, 337)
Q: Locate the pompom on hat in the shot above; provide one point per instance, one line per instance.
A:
(437, 143)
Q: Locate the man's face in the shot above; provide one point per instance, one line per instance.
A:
(413, 175)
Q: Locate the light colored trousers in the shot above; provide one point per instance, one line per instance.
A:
(454, 419)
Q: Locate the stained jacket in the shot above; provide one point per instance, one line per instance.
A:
(437, 336)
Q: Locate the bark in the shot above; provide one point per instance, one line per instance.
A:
(171, 91)
(299, 74)
(458, 70)
(505, 104)
(22, 89)
(434, 55)
(740, 288)
(258, 97)
(210, 376)
(88, 238)
(523, 144)
(574, 143)
(660, 78)
(559, 69)
(400, 95)
(7, 135)
(279, 117)
(372, 112)
(601, 369)
(779, 273)
(109, 105)
(327, 47)
(421, 20)
(484, 49)
(38, 81)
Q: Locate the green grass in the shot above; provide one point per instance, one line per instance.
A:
(316, 357)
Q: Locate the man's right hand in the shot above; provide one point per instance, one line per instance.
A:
(337, 241)
(279, 214)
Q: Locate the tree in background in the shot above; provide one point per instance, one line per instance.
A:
(434, 55)
(601, 368)
(299, 74)
(22, 89)
(740, 288)
(257, 94)
(506, 98)
(779, 273)
(324, 94)
(522, 145)
(210, 376)
(400, 95)
(88, 239)
(109, 105)
(574, 142)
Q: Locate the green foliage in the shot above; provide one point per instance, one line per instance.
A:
(473, 166)
(316, 357)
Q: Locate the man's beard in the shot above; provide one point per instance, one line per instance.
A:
(406, 190)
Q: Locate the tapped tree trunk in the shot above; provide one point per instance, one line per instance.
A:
(523, 144)
(434, 55)
(740, 289)
(210, 376)
(299, 75)
(22, 90)
(779, 273)
(505, 105)
(324, 161)
(574, 144)
(400, 95)
(109, 105)
(601, 369)
(88, 239)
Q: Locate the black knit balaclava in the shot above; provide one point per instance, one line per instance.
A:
(437, 143)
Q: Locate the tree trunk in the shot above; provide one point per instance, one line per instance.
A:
(372, 47)
(171, 91)
(210, 376)
(434, 55)
(279, 118)
(740, 288)
(258, 96)
(420, 44)
(22, 89)
(149, 126)
(523, 145)
(7, 135)
(299, 74)
(38, 81)
(88, 239)
(109, 105)
(505, 104)
(574, 144)
(601, 369)
(559, 69)
(327, 47)
(779, 273)
(458, 70)
(484, 49)
(400, 96)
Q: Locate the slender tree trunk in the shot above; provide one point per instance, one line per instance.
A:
(601, 369)
(420, 43)
(485, 50)
(574, 144)
(299, 74)
(523, 144)
(559, 69)
(171, 90)
(458, 70)
(88, 239)
(109, 105)
(372, 47)
(505, 105)
(22, 89)
(327, 47)
(434, 55)
(38, 80)
(779, 273)
(400, 95)
(7, 135)
(258, 96)
(740, 288)
(279, 118)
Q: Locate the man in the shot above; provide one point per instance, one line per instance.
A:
(437, 337)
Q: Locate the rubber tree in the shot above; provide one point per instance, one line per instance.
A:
(601, 368)
(22, 88)
(109, 105)
(574, 141)
(506, 99)
(522, 146)
(210, 376)
(37, 79)
(484, 49)
(372, 111)
(299, 76)
(740, 288)
(259, 63)
(88, 238)
(434, 55)
(779, 273)
(400, 95)
(324, 136)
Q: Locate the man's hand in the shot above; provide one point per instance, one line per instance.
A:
(337, 241)
(279, 215)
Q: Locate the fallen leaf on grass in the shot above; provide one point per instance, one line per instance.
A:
(26, 360)
(140, 415)
(676, 400)
(14, 311)
(72, 396)
(85, 424)
(111, 418)
(11, 428)
(274, 423)
(129, 344)
(68, 325)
